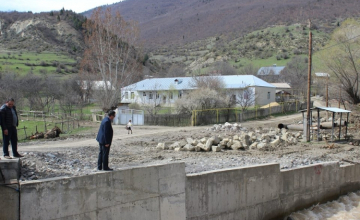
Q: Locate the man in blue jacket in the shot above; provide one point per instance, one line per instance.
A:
(104, 138)
(9, 122)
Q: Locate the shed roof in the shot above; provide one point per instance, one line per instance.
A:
(185, 83)
(330, 109)
(322, 74)
(281, 85)
(271, 70)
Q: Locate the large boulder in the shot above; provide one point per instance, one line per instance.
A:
(162, 146)
(236, 145)
(253, 146)
(209, 144)
(275, 142)
(174, 145)
(189, 147)
(216, 148)
(182, 143)
(203, 140)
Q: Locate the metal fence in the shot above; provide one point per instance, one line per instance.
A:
(216, 116)
(168, 120)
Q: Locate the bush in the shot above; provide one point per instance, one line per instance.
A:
(135, 106)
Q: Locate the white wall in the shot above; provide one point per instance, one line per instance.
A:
(261, 94)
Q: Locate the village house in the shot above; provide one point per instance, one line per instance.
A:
(165, 91)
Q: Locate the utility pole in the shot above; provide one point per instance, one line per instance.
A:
(327, 90)
(309, 86)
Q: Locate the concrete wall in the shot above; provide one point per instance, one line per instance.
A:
(155, 192)
(265, 192)
(9, 188)
(164, 192)
(261, 94)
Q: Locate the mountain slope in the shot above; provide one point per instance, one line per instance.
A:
(167, 22)
(54, 31)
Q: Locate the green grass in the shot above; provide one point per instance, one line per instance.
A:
(16, 62)
(33, 126)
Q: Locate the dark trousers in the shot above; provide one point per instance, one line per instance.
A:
(103, 161)
(11, 137)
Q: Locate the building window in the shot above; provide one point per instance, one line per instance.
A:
(144, 93)
(126, 95)
(150, 95)
(171, 95)
(132, 95)
(268, 95)
(157, 95)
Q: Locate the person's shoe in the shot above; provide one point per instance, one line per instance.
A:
(18, 156)
(108, 169)
(7, 157)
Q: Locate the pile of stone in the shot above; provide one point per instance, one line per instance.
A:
(226, 127)
(243, 140)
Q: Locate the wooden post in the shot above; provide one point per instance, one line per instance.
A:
(340, 125)
(36, 129)
(347, 120)
(318, 128)
(25, 132)
(332, 128)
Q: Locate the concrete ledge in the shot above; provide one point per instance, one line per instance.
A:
(152, 192)
(10, 169)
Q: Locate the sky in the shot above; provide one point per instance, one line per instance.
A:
(50, 5)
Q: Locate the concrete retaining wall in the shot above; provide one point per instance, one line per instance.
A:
(164, 192)
(9, 189)
(156, 192)
(265, 192)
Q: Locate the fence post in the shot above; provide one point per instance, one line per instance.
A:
(68, 125)
(45, 124)
(282, 107)
(217, 116)
(25, 132)
(296, 105)
(269, 109)
(62, 125)
(36, 128)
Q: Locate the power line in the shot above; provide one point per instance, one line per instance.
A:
(339, 43)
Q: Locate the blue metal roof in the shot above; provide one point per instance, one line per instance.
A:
(186, 83)
(271, 70)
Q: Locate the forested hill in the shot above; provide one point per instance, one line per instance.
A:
(167, 22)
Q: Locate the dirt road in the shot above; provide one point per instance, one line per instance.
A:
(139, 131)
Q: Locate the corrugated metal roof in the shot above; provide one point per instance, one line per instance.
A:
(281, 85)
(271, 70)
(186, 83)
(322, 74)
(336, 110)
(330, 109)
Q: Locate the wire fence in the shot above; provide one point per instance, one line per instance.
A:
(33, 122)
(217, 116)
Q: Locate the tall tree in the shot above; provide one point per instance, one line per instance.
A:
(343, 60)
(111, 54)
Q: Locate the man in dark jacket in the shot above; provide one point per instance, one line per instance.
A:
(9, 122)
(104, 138)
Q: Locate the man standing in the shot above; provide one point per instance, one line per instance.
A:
(104, 138)
(9, 122)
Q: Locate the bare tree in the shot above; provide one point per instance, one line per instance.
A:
(223, 68)
(296, 74)
(31, 88)
(246, 98)
(249, 69)
(71, 96)
(214, 82)
(110, 53)
(51, 92)
(151, 100)
(344, 63)
(10, 86)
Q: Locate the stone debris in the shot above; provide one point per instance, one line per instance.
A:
(240, 138)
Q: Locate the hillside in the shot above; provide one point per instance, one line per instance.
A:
(58, 31)
(169, 22)
(42, 43)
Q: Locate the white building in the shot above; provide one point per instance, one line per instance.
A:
(165, 91)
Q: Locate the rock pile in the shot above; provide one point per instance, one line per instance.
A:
(241, 140)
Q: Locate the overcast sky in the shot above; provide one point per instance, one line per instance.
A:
(49, 5)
